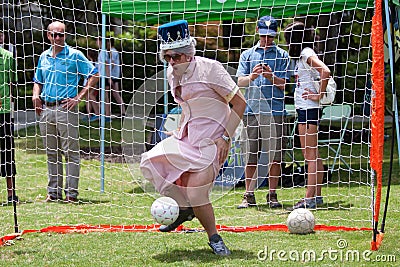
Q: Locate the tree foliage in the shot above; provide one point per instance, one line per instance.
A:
(345, 43)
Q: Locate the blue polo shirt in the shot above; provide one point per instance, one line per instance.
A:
(261, 95)
(60, 75)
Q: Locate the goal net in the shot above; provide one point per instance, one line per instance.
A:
(112, 190)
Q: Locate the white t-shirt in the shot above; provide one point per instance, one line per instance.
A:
(103, 60)
(115, 64)
(304, 79)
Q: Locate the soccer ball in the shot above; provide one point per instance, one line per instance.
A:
(300, 221)
(165, 210)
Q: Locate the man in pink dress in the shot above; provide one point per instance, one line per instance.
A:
(185, 165)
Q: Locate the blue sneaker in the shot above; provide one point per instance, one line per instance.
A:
(107, 119)
(319, 200)
(218, 246)
(86, 118)
(305, 203)
(94, 118)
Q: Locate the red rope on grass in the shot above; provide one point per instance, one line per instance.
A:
(83, 229)
(283, 227)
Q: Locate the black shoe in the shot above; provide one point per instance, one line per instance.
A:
(11, 199)
(50, 198)
(249, 200)
(218, 246)
(184, 215)
(70, 199)
(272, 201)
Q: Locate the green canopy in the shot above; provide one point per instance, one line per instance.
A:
(161, 11)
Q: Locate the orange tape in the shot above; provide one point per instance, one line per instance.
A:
(83, 229)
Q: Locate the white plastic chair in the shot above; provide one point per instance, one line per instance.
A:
(336, 115)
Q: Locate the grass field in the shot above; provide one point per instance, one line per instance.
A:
(124, 203)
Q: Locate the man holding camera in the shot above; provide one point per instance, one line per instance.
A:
(263, 71)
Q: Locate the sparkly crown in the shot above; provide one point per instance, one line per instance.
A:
(174, 35)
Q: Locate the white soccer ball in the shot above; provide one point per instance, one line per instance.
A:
(165, 210)
(300, 221)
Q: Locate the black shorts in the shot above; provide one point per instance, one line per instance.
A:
(309, 116)
(7, 146)
(108, 83)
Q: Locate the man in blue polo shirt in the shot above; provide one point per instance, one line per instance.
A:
(55, 98)
(263, 72)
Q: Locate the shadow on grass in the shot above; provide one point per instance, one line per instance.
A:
(335, 206)
(5, 204)
(27, 251)
(200, 255)
(62, 202)
(83, 201)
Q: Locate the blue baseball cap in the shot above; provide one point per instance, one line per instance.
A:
(267, 25)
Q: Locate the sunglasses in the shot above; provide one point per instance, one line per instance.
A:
(175, 57)
(58, 34)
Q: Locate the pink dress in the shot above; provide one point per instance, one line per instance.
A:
(203, 93)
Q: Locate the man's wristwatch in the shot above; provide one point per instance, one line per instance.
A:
(226, 138)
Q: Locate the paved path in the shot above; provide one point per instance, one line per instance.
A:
(23, 119)
(26, 118)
